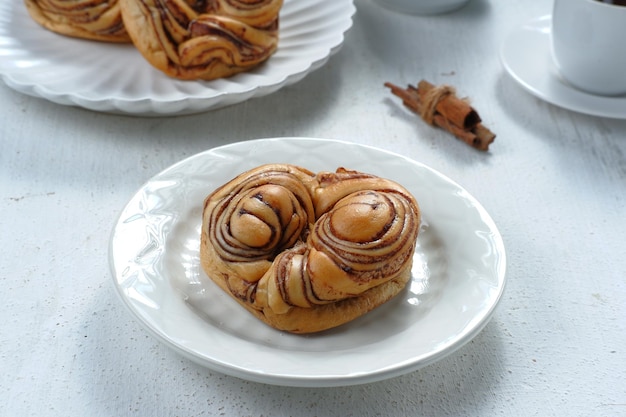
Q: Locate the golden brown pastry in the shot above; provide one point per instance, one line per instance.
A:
(99, 20)
(306, 252)
(203, 39)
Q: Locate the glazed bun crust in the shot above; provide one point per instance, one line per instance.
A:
(184, 39)
(203, 40)
(307, 252)
(303, 320)
(99, 20)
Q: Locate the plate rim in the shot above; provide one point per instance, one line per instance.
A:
(355, 378)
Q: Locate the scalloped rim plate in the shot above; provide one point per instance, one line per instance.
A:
(115, 78)
(458, 273)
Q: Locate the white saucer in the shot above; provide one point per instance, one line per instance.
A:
(458, 273)
(526, 56)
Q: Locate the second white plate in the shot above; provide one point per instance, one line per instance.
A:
(458, 273)
(115, 78)
(526, 56)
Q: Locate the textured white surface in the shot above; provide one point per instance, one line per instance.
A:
(554, 182)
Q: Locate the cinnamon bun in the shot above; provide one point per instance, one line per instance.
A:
(204, 39)
(99, 20)
(307, 252)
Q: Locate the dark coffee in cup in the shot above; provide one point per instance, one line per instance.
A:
(614, 2)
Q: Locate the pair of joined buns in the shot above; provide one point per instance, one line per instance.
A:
(184, 39)
(307, 252)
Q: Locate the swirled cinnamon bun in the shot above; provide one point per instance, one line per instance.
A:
(307, 252)
(204, 39)
(99, 20)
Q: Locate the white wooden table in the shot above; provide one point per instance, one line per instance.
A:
(554, 181)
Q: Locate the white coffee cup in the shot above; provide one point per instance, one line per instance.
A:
(425, 7)
(589, 45)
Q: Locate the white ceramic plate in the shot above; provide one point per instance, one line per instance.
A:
(526, 56)
(116, 78)
(458, 273)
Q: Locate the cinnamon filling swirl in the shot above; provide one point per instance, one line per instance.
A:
(290, 244)
(203, 39)
(185, 39)
(89, 19)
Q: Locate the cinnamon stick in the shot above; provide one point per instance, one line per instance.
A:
(441, 107)
(455, 110)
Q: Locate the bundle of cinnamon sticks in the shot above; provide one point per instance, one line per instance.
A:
(439, 106)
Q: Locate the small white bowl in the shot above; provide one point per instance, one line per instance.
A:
(423, 7)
